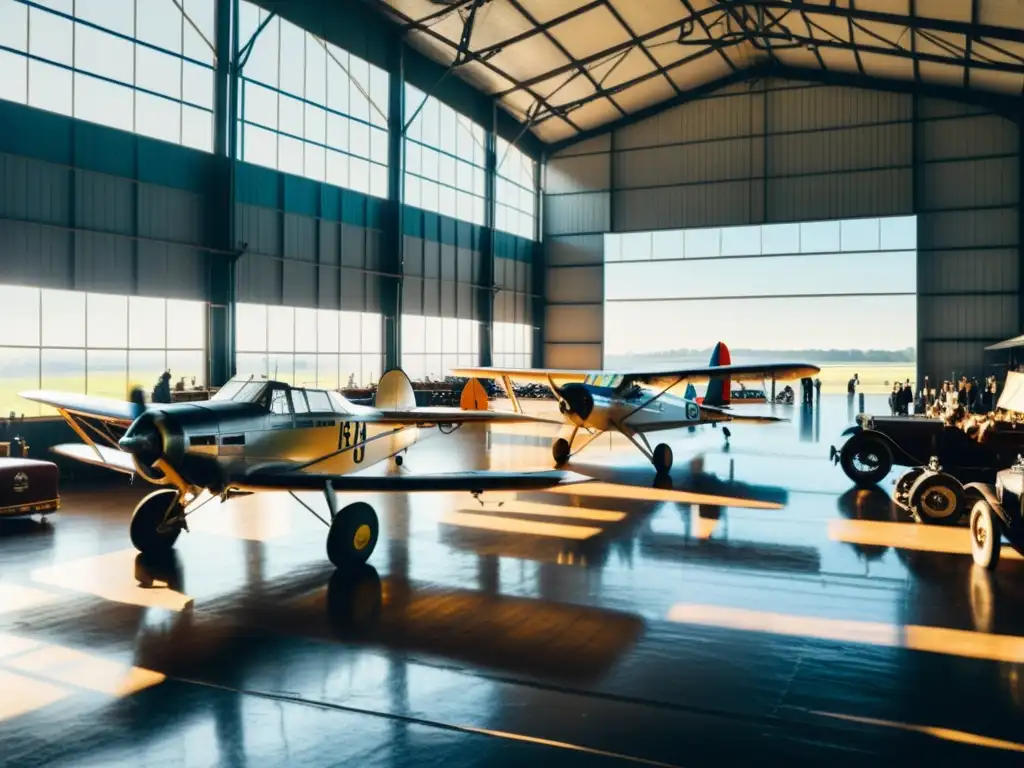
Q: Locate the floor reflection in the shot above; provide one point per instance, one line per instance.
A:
(734, 587)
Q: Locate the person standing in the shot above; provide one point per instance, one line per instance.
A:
(817, 389)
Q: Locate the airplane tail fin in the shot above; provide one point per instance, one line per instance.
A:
(719, 389)
(394, 392)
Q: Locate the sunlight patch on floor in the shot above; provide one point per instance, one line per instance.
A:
(952, 642)
(111, 577)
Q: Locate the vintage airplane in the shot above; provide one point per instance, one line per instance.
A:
(638, 402)
(256, 435)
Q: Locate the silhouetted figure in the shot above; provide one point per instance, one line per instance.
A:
(817, 390)
(852, 384)
(162, 390)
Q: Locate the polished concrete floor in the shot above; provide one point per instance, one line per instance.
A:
(760, 611)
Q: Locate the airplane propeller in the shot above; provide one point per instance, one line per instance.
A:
(575, 399)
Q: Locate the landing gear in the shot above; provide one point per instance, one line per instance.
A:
(399, 461)
(157, 522)
(662, 458)
(353, 535)
(560, 450)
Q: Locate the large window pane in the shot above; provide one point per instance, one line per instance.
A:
(147, 323)
(144, 368)
(305, 370)
(188, 365)
(327, 371)
(186, 324)
(21, 305)
(63, 370)
(251, 327)
(106, 321)
(249, 364)
(306, 330)
(63, 319)
(107, 373)
(281, 329)
(19, 371)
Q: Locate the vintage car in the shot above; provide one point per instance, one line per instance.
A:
(28, 487)
(998, 511)
(945, 485)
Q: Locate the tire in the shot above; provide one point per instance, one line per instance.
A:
(560, 451)
(865, 459)
(986, 541)
(662, 458)
(353, 535)
(937, 499)
(901, 493)
(148, 516)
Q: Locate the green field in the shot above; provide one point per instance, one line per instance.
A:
(875, 378)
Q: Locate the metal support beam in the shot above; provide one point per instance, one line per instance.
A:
(391, 299)
(221, 198)
(538, 269)
(485, 296)
(1020, 220)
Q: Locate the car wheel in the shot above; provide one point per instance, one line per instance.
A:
(986, 541)
(937, 499)
(901, 493)
(865, 459)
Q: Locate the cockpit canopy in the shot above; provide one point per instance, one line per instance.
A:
(278, 397)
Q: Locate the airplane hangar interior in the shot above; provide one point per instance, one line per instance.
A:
(476, 382)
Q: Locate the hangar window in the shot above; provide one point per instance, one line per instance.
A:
(143, 67)
(444, 159)
(840, 293)
(96, 344)
(515, 192)
(321, 348)
(308, 108)
(512, 345)
(433, 346)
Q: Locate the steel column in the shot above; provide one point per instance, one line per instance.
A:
(394, 236)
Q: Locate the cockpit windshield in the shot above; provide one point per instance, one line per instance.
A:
(241, 390)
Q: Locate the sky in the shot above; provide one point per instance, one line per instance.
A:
(791, 286)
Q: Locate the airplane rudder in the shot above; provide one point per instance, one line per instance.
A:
(395, 392)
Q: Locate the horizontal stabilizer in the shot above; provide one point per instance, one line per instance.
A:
(99, 456)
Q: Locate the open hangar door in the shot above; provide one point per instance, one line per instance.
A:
(774, 151)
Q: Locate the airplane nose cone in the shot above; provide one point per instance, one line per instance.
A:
(138, 444)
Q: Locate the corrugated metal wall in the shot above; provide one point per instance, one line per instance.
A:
(968, 234)
(78, 229)
(778, 151)
(577, 212)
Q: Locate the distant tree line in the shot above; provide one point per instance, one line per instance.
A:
(908, 355)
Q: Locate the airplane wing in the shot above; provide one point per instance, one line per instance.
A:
(102, 408)
(474, 482)
(657, 379)
(429, 416)
(97, 455)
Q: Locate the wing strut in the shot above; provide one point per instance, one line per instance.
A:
(80, 432)
(506, 381)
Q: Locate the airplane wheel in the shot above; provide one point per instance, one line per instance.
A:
(986, 541)
(147, 530)
(353, 535)
(662, 458)
(560, 451)
(399, 461)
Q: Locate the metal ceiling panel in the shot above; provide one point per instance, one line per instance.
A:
(558, 65)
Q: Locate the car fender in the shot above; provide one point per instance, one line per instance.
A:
(899, 456)
(856, 429)
(984, 491)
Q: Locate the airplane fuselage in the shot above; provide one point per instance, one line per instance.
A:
(602, 408)
(211, 443)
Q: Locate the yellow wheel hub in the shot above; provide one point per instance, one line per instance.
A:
(362, 537)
